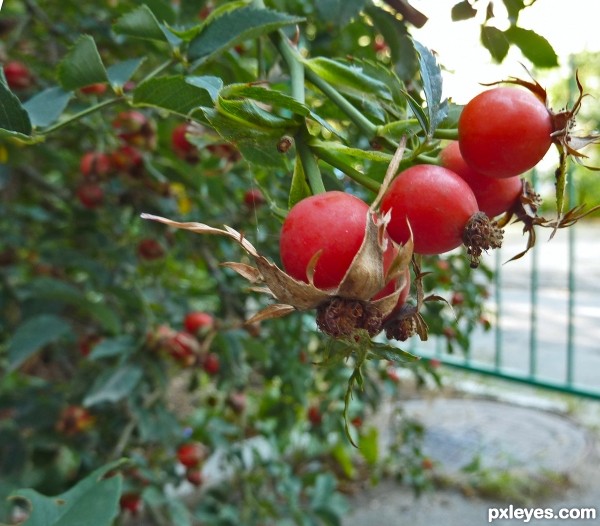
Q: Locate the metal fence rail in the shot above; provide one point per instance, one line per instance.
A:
(546, 310)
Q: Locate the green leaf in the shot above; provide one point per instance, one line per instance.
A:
(47, 106)
(368, 444)
(121, 72)
(82, 65)
(533, 46)
(431, 75)
(114, 385)
(110, 347)
(94, 501)
(299, 188)
(172, 93)
(234, 27)
(389, 352)
(34, 334)
(495, 42)
(140, 23)
(463, 11)
(162, 10)
(248, 113)
(514, 8)
(342, 11)
(212, 85)
(257, 145)
(266, 96)
(13, 117)
(349, 78)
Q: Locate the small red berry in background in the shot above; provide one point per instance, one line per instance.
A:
(87, 343)
(182, 147)
(150, 249)
(135, 129)
(191, 454)
(129, 160)
(18, 76)
(90, 195)
(95, 165)
(98, 88)
(74, 420)
(427, 463)
(194, 477)
(254, 198)
(458, 298)
(211, 364)
(183, 347)
(131, 502)
(198, 320)
(314, 415)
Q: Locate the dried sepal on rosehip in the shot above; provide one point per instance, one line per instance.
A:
(345, 309)
(563, 123)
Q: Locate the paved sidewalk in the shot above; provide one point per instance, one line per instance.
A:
(510, 439)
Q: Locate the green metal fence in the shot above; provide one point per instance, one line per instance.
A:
(547, 331)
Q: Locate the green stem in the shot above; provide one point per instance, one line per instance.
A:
(309, 163)
(293, 61)
(326, 155)
(364, 124)
(450, 134)
(80, 115)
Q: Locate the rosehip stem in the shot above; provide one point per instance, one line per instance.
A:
(450, 134)
(81, 115)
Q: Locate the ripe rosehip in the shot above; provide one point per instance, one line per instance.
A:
(314, 224)
(90, 195)
(191, 454)
(183, 347)
(494, 196)
(18, 76)
(314, 415)
(211, 363)
(95, 165)
(196, 321)
(504, 131)
(150, 249)
(182, 147)
(254, 198)
(99, 88)
(74, 420)
(129, 160)
(135, 129)
(131, 502)
(194, 476)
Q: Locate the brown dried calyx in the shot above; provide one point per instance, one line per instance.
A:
(344, 311)
(480, 235)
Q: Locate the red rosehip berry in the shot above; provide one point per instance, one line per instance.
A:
(95, 165)
(211, 363)
(18, 76)
(197, 321)
(90, 195)
(191, 454)
(254, 198)
(150, 249)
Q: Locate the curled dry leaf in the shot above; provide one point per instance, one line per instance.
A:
(364, 278)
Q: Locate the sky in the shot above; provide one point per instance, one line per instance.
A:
(568, 29)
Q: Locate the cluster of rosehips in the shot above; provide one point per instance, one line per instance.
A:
(191, 455)
(503, 132)
(188, 347)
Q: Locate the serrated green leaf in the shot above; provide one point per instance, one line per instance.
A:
(13, 116)
(431, 75)
(495, 42)
(234, 27)
(162, 10)
(266, 96)
(249, 113)
(114, 385)
(211, 84)
(462, 11)
(368, 444)
(189, 10)
(349, 78)
(172, 93)
(418, 112)
(94, 501)
(299, 189)
(395, 354)
(342, 11)
(514, 8)
(140, 23)
(82, 65)
(257, 145)
(533, 46)
(121, 72)
(47, 106)
(34, 334)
